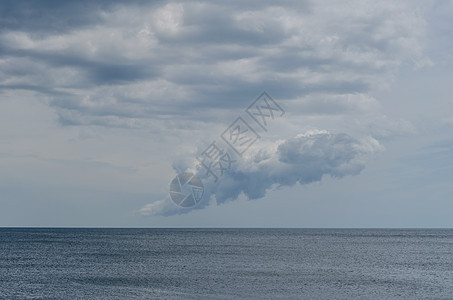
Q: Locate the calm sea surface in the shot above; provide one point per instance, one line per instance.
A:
(226, 264)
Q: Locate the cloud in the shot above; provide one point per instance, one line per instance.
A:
(167, 66)
(303, 159)
(158, 207)
(50, 16)
(112, 64)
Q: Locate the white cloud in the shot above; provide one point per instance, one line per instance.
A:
(303, 159)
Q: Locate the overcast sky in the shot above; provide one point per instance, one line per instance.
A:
(102, 104)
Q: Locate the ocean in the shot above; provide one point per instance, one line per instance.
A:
(70, 263)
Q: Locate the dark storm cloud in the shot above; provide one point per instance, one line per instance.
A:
(51, 16)
(97, 72)
(58, 17)
(93, 59)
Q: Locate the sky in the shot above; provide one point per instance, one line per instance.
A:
(103, 103)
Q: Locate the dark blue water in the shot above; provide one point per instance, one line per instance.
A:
(225, 264)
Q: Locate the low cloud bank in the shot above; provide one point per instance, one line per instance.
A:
(303, 159)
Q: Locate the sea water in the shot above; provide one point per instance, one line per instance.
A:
(40, 263)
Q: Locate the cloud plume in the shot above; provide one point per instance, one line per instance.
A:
(303, 159)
